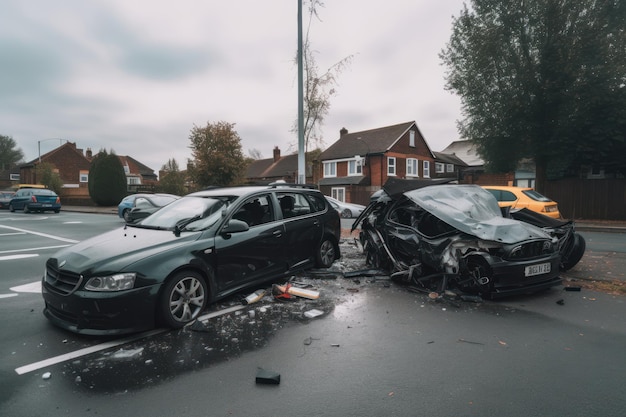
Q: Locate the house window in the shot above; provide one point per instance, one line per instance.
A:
(355, 167)
(134, 181)
(449, 167)
(412, 138)
(330, 169)
(440, 168)
(338, 193)
(83, 176)
(391, 165)
(426, 169)
(126, 169)
(411, 167)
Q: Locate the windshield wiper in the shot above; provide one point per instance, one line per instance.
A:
(143, 226)
(181, 224)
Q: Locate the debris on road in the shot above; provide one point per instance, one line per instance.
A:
(293, 290)
(254, 297)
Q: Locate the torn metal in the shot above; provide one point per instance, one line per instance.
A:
(456, 237)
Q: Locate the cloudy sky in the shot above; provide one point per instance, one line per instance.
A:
(136, 76)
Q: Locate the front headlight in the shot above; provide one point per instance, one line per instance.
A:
(117, 282)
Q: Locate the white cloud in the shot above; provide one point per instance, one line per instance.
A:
(136, 76)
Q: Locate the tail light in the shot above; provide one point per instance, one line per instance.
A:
(58, 200)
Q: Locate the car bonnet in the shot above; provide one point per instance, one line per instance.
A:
(473, 210)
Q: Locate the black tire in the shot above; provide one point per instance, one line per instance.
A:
(11, 208)
(183, 298)
(326, 253)
(56, 211)
(346, 214)
(126, 215)
(575, 254)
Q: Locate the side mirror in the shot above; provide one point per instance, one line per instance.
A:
(235, 226)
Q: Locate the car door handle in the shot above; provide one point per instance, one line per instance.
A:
(277, 233)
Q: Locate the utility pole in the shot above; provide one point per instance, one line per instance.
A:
(301, 159)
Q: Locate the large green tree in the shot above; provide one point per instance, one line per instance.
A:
(10, 154)
(107, 180)
(217, 157)
(544, 79)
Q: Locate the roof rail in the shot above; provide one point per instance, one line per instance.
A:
(291, 185)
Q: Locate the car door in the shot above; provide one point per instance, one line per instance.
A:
(303, 228)
(21, 198)
(255, 254)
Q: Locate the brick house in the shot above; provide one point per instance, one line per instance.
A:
(359, 163)
(277, 168)
(73, 165)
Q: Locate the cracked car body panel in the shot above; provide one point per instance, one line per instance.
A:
(455, 237)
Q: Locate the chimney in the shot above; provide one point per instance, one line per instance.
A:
(276, 153)
(89, 154)
(343, 131)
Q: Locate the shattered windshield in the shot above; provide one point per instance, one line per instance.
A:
(472, 210)
(195, 213)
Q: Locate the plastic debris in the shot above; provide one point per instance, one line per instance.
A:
(572, 288)
(46, 375)
(129, 353)
(254, 297)
(313, 313)
(264, 376)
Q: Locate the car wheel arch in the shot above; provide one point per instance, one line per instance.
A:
(161, 314)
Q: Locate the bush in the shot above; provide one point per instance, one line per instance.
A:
(107, 180)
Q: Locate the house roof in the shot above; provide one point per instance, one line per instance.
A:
(466, 151)
(374, 141)
(267, 168)
(448, 159)
(136, 167)
(50, 154)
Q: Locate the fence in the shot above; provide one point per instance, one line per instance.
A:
(589, 199)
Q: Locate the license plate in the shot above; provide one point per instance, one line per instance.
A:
(538, 269)
(46, 205)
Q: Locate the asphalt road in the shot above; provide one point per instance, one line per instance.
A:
(377, 349)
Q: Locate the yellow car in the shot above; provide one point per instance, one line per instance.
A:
(521, 197)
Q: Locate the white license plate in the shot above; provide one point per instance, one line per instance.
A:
(46, 205)
(538, 269)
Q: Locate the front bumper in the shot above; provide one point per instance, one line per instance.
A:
(102, 313)
(509, 276)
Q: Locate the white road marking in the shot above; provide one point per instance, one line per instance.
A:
(30, 249)
(7, 295)
(103, 346)
(62, 239)
(76, 222)
(33, 287)
(12, 234)
(11, 257)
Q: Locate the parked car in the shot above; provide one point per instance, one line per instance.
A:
(149, 203)
(346, 210)
(145, 206)
(5, 198)
(454, 237)
(35, 199)
(524, 197)
(165, 269)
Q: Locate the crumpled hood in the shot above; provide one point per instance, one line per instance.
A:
(119, 248)
(475, 211)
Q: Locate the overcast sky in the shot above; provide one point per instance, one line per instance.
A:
(136, 76)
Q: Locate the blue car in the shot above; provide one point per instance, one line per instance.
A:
(148, 203)
(35, 199)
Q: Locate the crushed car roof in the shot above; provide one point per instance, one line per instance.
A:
(473, 210)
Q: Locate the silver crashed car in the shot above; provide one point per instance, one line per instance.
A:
(455, 238)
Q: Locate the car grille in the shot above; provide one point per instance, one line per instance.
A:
(531, 250)
(59, 281)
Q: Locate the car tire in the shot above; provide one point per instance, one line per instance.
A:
(56, 211)
(346, 213)
(126, 215)
(478, 268)
(11, 208)
(183, 298)
(575, 253)
(326, 253)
